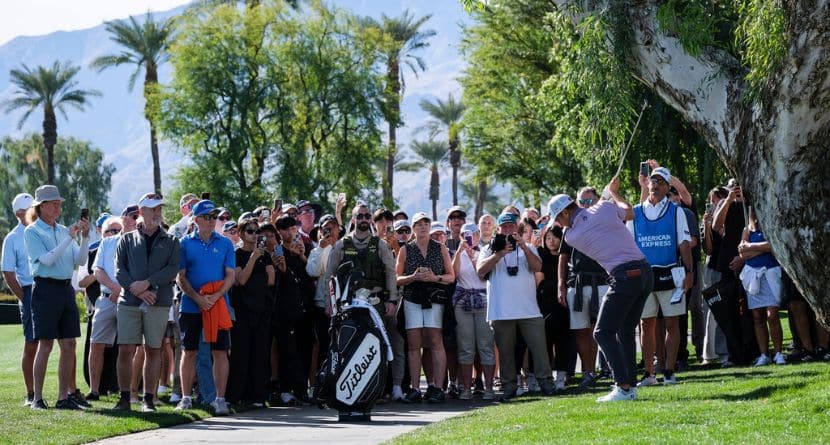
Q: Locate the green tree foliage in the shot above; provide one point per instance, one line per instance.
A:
(145, 46)
(403, 39)
(550, 107)
(80, 174)
(429, 155)
(51, 88)
(265, 99)
(446, 117)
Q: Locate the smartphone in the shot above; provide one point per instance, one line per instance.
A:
(710, 207)
(278, 251)
(265, 213)
(644, 168)
(536, 232)
(423, 269)
(277, 204)
(85, 213)
(389, 230)
(260, 242)
(326, 232)
(542, 225)
(468, 238)
(205, 195)
(341, 196)
(298, 239)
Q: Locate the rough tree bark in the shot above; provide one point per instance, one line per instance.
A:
(776, 148)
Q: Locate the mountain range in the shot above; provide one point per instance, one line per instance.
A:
(115, 122)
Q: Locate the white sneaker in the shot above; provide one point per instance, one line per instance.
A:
(397, 392)
(175, 397)
(184, 404)
(762, 360)
(489, 394)
(162, 390)
(466, 394)
(618, 394)
(220, 407)
(647, 381)
(779, 359)
(532, 383)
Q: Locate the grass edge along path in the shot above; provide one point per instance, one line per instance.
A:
(771, 404)
(19, 424)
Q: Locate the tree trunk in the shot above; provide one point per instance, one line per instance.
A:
(50, 138)
(393, 94)
(777, 148)
(151, 79)
(434, 191)
(455, 162)
(481, 198)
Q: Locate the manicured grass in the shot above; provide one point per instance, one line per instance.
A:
(772, 404)
(19, 424)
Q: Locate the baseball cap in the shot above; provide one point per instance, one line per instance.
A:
(662, 172)
(130, 209)
(507, 217)
(400, 212)
(22, 202)
(469, 227)
(419, 216)
(151, 200)
(287, 207)
(223, 210)
(187, 198)
(47, 193)
(246, 215)
(456, 209)
(400, 224)
(325, 219)
(557, 204)
(204, 207)
(101, 218)
(437, 227)
(228, 226)
(303, 203)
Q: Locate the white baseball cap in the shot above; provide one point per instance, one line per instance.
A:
(437, 227)
(419, 216)
(557, 204)
(22, 202)
(662, 172)
(151, 200)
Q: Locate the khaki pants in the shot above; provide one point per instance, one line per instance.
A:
(533, 332)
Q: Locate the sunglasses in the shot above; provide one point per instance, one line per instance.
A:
(366, 216)
(224, 218)
(209, 217)
(134, 216)
(232, 232)
(113, 231)
(588, 201)
(291, 214)
(457, 216)
(404, 231)
(251, 231)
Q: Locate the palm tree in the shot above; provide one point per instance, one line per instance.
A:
(430, 155)
(447, 116)
(481, 191)
(52, 88)
(406, 38)
(143, 45)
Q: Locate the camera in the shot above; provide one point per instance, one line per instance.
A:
(512, 240)
(512, 270)
(498, 243)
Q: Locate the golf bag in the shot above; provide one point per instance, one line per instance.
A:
(353, 375)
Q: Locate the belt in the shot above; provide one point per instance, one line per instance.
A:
(632, 269)
(54, 281)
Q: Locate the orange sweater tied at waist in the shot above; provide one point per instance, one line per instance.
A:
(217, 317)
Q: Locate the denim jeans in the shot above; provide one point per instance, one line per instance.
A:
(619, 313)
(204, 373)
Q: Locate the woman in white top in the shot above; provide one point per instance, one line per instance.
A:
(470, 305)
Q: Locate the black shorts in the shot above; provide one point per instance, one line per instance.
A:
(54, 311)
(191, 327)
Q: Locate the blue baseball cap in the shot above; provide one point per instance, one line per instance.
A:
(130, 209)
(204, 207)
(508, 217)
(100, 221)
(228, 226)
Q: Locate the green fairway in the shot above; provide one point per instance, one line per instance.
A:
(20, 424)
(772, 404)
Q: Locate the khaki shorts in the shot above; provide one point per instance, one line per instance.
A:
(663, 299)
(134, 322)
(104, 321)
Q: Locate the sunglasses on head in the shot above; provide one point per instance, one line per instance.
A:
(404, 231)
(366, 216)
(588, 201)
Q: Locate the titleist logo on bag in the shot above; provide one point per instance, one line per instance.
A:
(358, 372)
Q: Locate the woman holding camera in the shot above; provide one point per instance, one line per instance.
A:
(252, 300)
(423, 269)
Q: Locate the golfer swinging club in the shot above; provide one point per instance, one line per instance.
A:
(600, 233)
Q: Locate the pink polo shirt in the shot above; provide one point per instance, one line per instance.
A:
(600, 233)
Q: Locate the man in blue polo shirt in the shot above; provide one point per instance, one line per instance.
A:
(206, 257)
(19, 280)
(53, 257)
